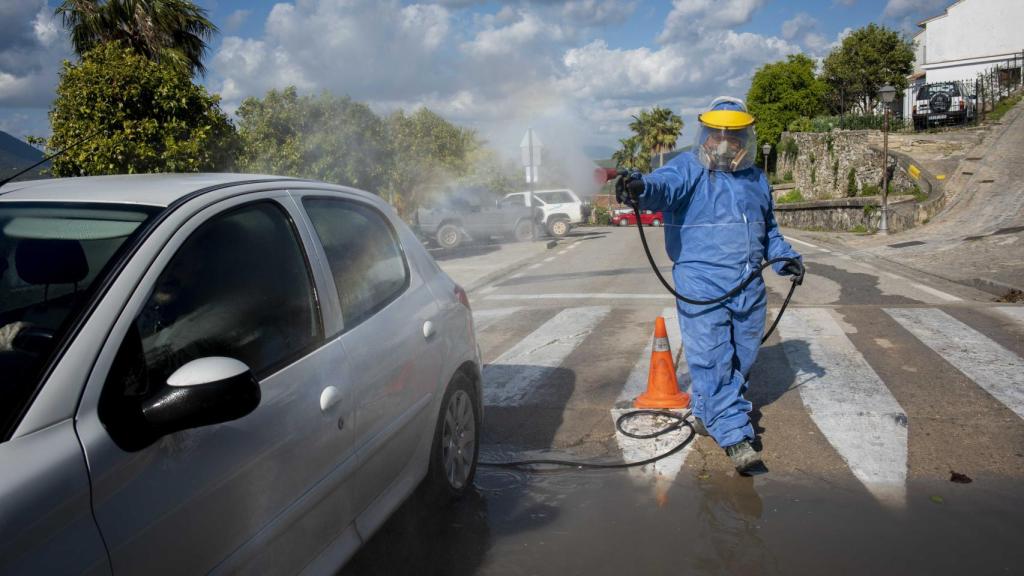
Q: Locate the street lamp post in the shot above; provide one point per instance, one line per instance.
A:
(886, 94)
(766, 149)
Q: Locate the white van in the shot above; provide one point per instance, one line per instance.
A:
(561, 208)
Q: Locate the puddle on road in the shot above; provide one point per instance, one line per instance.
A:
(603, 522)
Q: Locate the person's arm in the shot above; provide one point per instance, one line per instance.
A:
(667, 188)
(777, 245)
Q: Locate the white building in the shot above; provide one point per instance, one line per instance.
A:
(969, 37)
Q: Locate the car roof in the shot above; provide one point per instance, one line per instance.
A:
(147, 189)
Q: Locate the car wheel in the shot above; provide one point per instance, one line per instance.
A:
(456, 445)
(559, 228)
(655, 222)
(524, 231)
(623, 222)
(448, 236)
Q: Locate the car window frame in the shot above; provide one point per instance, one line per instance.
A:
(344, 326)
(279, 364)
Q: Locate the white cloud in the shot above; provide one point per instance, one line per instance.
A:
(32, 47)
(799, 24)
(493, 40)
(597, 12)
(689, 18)
(923, 8)
(236, 19)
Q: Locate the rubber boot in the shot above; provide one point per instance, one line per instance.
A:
(699, 428)
(745, 458)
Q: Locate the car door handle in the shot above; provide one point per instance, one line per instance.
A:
(428, 329)
(329, 398)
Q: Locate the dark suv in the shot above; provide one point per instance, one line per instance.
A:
(474, 215)
(942, 103)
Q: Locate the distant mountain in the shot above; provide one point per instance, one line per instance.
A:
(16, 154)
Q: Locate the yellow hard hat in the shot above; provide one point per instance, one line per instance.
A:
(726, 119)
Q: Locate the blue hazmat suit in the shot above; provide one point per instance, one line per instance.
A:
(719, 227)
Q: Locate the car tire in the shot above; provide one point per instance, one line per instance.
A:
(448, 236)
(523, 231)
(623, 222)
(655, 222)
(559, 227)
(455, 449)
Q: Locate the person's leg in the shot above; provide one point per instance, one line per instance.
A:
(716, 384)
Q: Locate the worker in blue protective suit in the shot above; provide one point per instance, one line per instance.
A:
(719, 227)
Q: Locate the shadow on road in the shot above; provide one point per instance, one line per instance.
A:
(773, 375)
(423, 538)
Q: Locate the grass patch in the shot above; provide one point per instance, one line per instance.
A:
(790, 197)
(918, 194)
(1003, 107)
(859, 229)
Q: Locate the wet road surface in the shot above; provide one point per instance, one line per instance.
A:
(877, 387)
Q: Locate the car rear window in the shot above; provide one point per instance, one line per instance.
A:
(927, 91)
(559, 197)
(52, 256)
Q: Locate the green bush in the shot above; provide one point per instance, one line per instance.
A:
(869, 210)
(871, 190)
(918, 194)
(835, 171)
(851, 183)
(602, 216)
(800, 125)
(789, 149)
(790, 197)
(787, 176)
(146, 116)
(814, 173)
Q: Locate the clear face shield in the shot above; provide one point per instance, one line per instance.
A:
(726, 150)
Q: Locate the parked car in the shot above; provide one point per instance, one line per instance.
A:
(561, 209)
(220, 373)
(647, 218)
(459, 218)
(942, 103)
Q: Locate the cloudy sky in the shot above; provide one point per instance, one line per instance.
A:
(574, 69)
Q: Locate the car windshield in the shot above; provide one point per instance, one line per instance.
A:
(51, 256)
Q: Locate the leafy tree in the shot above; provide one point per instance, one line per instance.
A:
(324, 137)
(782, 92)
(631, 155)
(658, 130)
(868, 59)
(147, 116)
(425, 149)
(174, 31)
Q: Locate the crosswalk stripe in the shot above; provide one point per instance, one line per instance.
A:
(484, 318)
(514, 375)
(997, 370)
(1014, 313)
(848, 401)
(635, 449)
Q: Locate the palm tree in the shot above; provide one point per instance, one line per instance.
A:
(665, 128)
(175, 31)
(631, 155)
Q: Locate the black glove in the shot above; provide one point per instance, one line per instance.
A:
(795, 270)
(629, 187)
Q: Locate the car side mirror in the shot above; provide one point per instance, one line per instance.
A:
(205, 391)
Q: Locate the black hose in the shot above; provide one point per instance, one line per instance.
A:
(680, 419)
(739, 287)
(680, 422)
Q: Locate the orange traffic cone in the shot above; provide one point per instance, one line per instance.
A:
(662, 387)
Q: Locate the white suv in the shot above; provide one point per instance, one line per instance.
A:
(561, 208)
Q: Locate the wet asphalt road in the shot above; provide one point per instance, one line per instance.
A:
(877, 387)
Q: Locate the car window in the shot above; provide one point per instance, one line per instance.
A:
(364, 255)
(515, 200)
(239, 286)
(51, 258)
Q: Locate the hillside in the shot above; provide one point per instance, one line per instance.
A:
(16, 154)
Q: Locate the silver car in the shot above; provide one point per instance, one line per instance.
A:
(220, 373)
